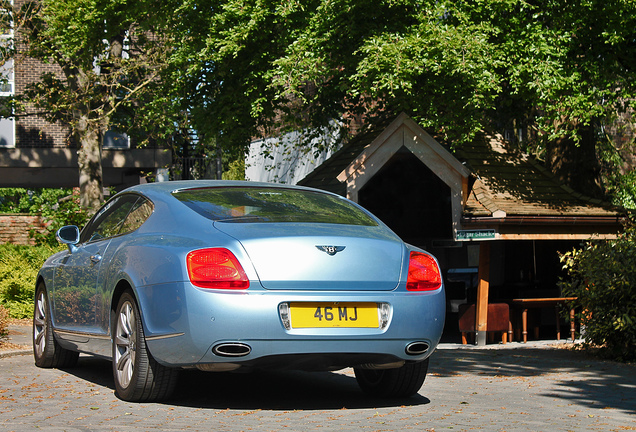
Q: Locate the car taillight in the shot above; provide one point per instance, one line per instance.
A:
(424, 273)
(216, 268)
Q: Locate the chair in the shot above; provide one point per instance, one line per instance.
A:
(498, 320)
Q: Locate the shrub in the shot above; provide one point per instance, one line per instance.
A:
(57, 211)
(602, 275)
(19, 266)
(58, 207)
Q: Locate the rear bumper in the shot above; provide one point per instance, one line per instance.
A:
(182, 329)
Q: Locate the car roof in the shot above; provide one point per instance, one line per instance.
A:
(167, 188)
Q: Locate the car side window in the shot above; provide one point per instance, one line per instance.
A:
(110, 219)
(138, 214)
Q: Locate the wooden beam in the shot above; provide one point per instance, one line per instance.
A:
(465, 191)
(481, 310)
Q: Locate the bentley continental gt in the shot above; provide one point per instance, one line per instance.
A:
(233, 276)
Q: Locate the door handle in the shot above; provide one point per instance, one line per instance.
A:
(96, 258)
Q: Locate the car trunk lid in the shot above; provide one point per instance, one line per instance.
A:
(320, 257)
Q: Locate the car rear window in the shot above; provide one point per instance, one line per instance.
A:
(262, 204)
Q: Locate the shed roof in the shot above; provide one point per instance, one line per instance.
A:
(325, 176)
(511, 193)
(514, 183)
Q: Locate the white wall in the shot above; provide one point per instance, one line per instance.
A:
(287, 159)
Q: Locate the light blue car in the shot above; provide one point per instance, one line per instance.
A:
(224, 276)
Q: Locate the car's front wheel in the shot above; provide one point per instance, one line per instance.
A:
(401, 382)
(138, 377)
(46, 351)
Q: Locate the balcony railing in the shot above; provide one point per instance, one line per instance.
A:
(193, 168)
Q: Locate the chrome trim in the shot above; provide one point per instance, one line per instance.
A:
(232, 349)
(417, 348)
(108, 336)
(166, 336)
(80, 333)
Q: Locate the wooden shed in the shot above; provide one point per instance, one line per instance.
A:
(492, 215)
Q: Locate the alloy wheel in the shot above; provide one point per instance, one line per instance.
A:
(125, 341)
(39, 324)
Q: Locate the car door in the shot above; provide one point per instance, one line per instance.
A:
(112, 261)
(75, 294)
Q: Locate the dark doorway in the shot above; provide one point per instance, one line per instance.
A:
(407, 196)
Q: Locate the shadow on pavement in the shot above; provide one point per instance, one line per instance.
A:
(267, 390)
(579, 378)
(572, 376)
(278, 390)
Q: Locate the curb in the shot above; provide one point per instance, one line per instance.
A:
(13, 353)
(544, 344)
(20, 336)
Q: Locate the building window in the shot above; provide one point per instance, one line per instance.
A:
(7, 77)
(7, 87)
(7, 132)
(7, 124)
(116, 140)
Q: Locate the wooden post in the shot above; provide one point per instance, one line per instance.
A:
(481, 308)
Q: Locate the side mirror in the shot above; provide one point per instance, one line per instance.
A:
(69, 235)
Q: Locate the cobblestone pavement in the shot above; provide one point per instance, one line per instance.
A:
(512, 388)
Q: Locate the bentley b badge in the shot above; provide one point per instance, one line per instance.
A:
(331, 250)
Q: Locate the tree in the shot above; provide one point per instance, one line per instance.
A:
(580, 80)
(109, 55)
(225, 90)
(559, 69)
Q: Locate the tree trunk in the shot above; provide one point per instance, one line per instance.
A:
(577, 165)
(89, 133)
(89, 158)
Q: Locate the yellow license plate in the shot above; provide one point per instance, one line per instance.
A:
(337, 314)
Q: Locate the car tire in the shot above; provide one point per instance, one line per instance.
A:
(46, 350)
(138, 377)
(401, 382)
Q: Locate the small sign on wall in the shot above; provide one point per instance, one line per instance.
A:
(468, 235)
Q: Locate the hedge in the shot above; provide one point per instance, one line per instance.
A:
(19, 265)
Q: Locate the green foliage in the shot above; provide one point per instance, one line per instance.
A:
(552, 68)
(619, 181)
(58, 207)
(236, 170)
(16, 200)
(602, 275)
(19, 266)
(622, 187)
(232, 70)
(65, 210)
(455, 67)
(22, 200)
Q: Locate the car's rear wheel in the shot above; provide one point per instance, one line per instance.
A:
(46, 351)
(393, 383)
(138, 377)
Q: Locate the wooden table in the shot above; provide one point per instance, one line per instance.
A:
(525, 304)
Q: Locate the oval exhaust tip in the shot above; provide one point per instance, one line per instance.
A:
(417, 348)
(232, 349)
